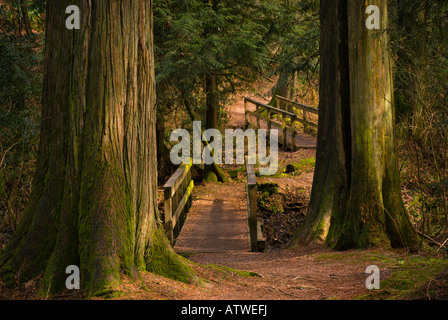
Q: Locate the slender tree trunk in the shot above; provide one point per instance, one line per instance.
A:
(93, 203)
(165, 168)
(285, 86)
(212, 173)
(25, 18)
(212, 103)
(356, 198)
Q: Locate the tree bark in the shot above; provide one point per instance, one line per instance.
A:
(356, 198)
(331, 177)
(25, 18)
(165, 167)
(285, 86)
(212, 103)
(93, 202)
(212, 172)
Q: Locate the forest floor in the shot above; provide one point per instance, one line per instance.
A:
(280, 273)
(285, 273)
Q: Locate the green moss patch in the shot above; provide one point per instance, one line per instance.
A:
(302, 166)
(407, 276)
(162, 260)
(401, 275)
(245, 274)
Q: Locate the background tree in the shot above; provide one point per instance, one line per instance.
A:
(296, 39)
(20, 93)
(93, 202)
(205, 51)
(356, 199)
(420, 51)
(209, 50)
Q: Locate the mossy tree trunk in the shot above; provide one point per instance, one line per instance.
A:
(285, 86)
(212, 102)
(211, 171)
(93, 202)
(356, 198)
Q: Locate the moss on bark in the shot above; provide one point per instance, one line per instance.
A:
(162, 260)
(93, 203)
(356, 197)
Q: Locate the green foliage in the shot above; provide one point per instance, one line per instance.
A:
(245, 274)
(420, 50)
(20, 59)
(196, 38)
(267, 189)
(20, 87)
(237, 41)
(297, 36)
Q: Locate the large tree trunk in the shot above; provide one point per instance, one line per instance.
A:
(333, 157)
(93, 202)
(356, 198)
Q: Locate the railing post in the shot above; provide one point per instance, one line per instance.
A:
(293, 133)
(257, 113)
(246, 120)
(168, 206)
(257, 239)
(252, 191)
(306, 128)
(177, 192)
(285, 130)
(269, 121)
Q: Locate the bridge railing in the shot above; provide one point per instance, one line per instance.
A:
(178, 198)
(296, 107)
(257, 239)
(285, 126)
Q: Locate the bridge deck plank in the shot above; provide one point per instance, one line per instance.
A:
(217, 221)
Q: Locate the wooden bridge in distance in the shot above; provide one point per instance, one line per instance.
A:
(284, 116)
(224, 218)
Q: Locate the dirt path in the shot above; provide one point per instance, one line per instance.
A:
(216, 233)
(302, 273)
(299, 274)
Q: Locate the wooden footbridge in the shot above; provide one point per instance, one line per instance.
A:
(224, 218)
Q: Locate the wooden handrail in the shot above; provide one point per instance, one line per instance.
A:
(177, 191)
(284, 126)
(298, 105)
(279, 101)
(274, 109)
(257, 239)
